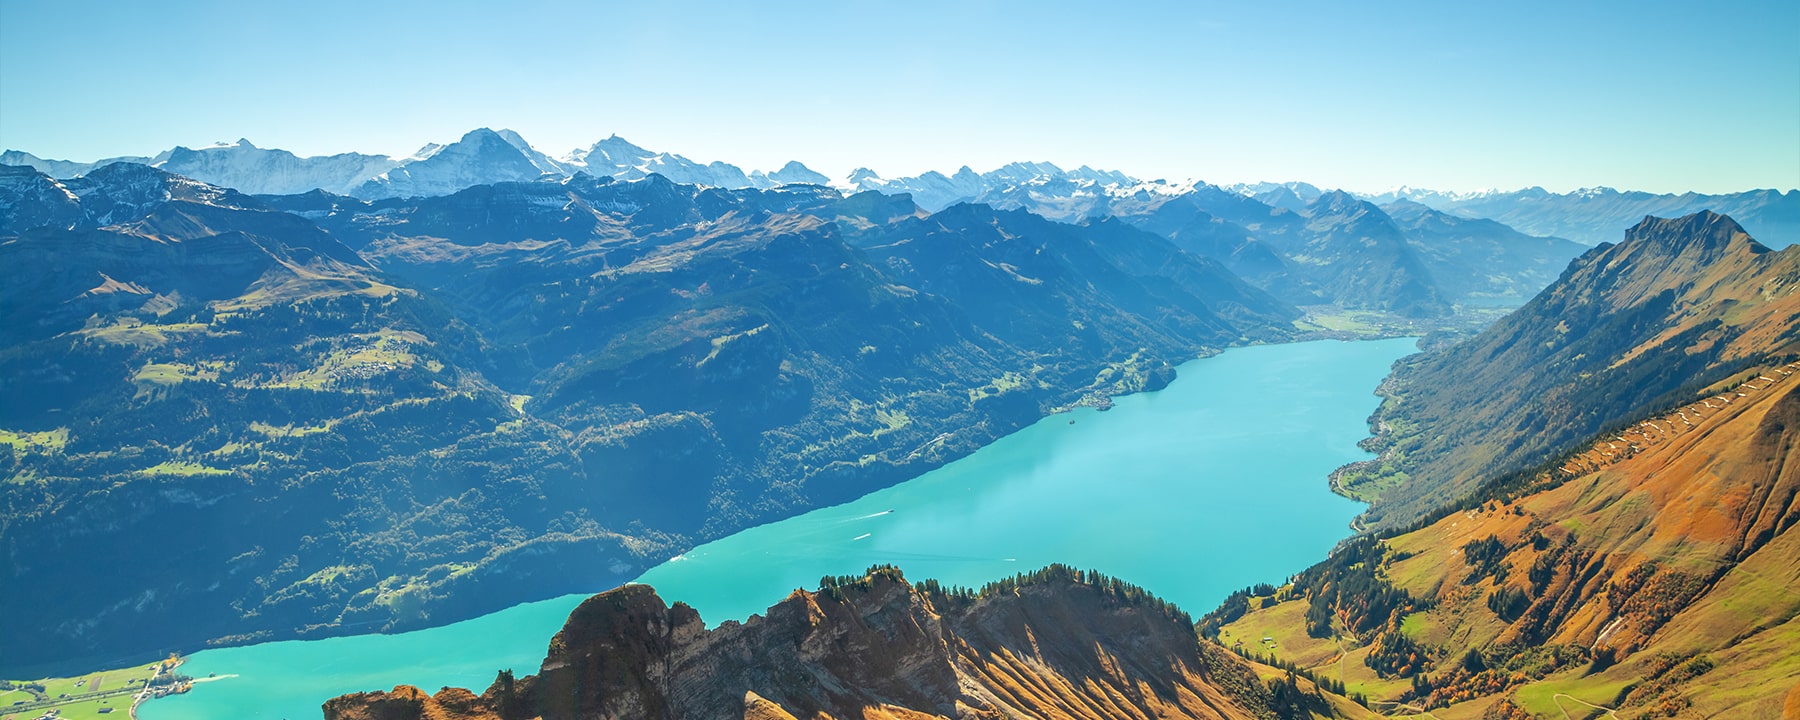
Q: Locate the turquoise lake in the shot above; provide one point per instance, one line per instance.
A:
(1209, 485)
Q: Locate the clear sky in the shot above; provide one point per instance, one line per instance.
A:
(1660, 96)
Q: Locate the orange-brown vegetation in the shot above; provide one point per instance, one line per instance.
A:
(1630, 329)
(1662, 564)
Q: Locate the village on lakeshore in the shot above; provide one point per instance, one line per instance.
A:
(104, 694)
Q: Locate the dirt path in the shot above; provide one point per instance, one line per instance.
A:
(1340, 658)
(1413, 709)
(1557, 698)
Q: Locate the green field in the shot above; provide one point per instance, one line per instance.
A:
(1285, 626)
(50, 441)
(1542, 697)
(75, 698)
(1346, 321)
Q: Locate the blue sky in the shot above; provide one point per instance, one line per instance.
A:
(1640, 95)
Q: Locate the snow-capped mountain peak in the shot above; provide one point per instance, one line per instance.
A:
(428, 150)
(790, 174)
(482, 156)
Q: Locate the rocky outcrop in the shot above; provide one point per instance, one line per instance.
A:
(1058, 644)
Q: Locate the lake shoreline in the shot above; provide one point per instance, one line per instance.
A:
(954, 564)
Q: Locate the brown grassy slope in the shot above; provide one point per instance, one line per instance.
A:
(1672, 547)
(1628, 328)
(878, 648)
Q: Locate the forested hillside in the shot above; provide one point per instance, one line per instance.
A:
(308, 415)
(1628, 329)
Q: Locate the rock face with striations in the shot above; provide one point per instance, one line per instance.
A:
(1058, 644)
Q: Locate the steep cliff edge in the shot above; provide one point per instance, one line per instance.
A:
(1060, 643)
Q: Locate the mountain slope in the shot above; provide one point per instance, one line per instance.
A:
(1057, 644)
(402, 412)
(1050, 287)
(482, 156)
(1334, 249)
(257, 171)
(124, 238)
(238, 165)
(647, 308)
(64, 169)
(1481, 262)
(1652, 572)
(116, 193)
(793, 173)
(264, 435)
(1035, 185)
(1591, 510)
(1355, 255)
(1667, 558)
(617, 158)
(1629, 327)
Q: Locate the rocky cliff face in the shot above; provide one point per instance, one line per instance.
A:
(1058, 644)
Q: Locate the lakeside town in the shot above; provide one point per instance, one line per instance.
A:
(105, 694)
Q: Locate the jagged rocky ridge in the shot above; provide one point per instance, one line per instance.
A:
(1059, 643)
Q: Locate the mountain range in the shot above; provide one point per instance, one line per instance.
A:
(1446, 252)
(1596, 215)
(425, 391)
(371, 415)
(482, 156)
(1644, 570)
